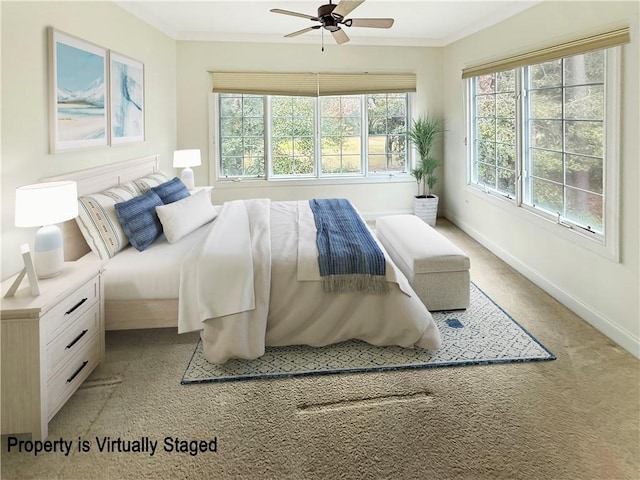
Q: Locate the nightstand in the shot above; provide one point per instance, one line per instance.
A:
(50, 344)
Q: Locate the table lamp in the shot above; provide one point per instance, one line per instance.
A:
(187, 159)
(43, 205)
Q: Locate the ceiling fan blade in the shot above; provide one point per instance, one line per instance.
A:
(304, 30)
(370, 22)
(345, 7)
(295, 14)
(339, 36)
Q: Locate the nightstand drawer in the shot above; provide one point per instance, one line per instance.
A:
(70, 308)
(68, 379)
(73, 339)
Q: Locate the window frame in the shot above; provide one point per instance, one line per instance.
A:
(318, 178)
(605, 244)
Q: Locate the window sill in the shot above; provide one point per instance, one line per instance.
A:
(605, 246)
(224, 183)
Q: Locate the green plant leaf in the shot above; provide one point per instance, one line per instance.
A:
(422, 135)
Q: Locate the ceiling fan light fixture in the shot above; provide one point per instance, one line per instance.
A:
(331, 16)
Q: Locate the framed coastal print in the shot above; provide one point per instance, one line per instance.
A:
(126, 77)
(78, 92)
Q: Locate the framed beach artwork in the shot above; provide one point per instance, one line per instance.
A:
(126, 78)
(78, 89)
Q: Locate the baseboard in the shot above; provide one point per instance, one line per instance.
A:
(619, 335)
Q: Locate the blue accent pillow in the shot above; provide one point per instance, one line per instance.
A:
(171, 191)
(139, 220)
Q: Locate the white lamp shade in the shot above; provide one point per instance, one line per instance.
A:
(186, 158)
(46, 203)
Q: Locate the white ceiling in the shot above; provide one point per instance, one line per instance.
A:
(417, 22)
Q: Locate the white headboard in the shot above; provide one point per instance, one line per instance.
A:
(94, 180)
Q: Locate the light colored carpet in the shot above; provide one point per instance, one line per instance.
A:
(574, 418)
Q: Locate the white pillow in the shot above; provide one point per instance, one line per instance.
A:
(184, 216)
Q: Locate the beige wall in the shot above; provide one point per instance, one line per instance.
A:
(604, 292)
(25, 99)
(195, 59)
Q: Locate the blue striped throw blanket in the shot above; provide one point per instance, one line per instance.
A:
(349, 257)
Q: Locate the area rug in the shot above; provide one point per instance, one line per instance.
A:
(482, 334)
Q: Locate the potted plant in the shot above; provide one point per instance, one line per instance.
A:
(422, 135)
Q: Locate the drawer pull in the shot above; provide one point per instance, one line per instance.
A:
(84, 364)
(75, 340)
(75, 307)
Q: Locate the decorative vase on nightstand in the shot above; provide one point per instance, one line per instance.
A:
(426, 209)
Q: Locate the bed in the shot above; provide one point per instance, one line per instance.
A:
(289, 304)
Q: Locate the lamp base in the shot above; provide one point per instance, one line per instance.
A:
(48, 252)
(187, 178)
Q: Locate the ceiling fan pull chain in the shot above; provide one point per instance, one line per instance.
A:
(322, 36)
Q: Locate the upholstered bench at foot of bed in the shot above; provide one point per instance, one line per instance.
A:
(437, 270)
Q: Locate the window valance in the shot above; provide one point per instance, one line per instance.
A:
(312, 84)
(595, 42)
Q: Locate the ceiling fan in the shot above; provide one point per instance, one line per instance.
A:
(332, 16)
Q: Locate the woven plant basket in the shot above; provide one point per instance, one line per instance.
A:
(426, 209)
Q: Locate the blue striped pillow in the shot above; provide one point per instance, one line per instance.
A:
(171, 191)
(139, 219)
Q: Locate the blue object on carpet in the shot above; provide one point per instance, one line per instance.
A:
(454, 323)
(482, 334)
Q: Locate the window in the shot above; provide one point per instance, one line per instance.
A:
(543, 131)
(292, 135)
(539, 136)
(564, 153)
(311, 137)
(387, 142)
(495, 132)
(340, 130)
(241, 135)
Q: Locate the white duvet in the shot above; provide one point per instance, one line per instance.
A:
(253, 281)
